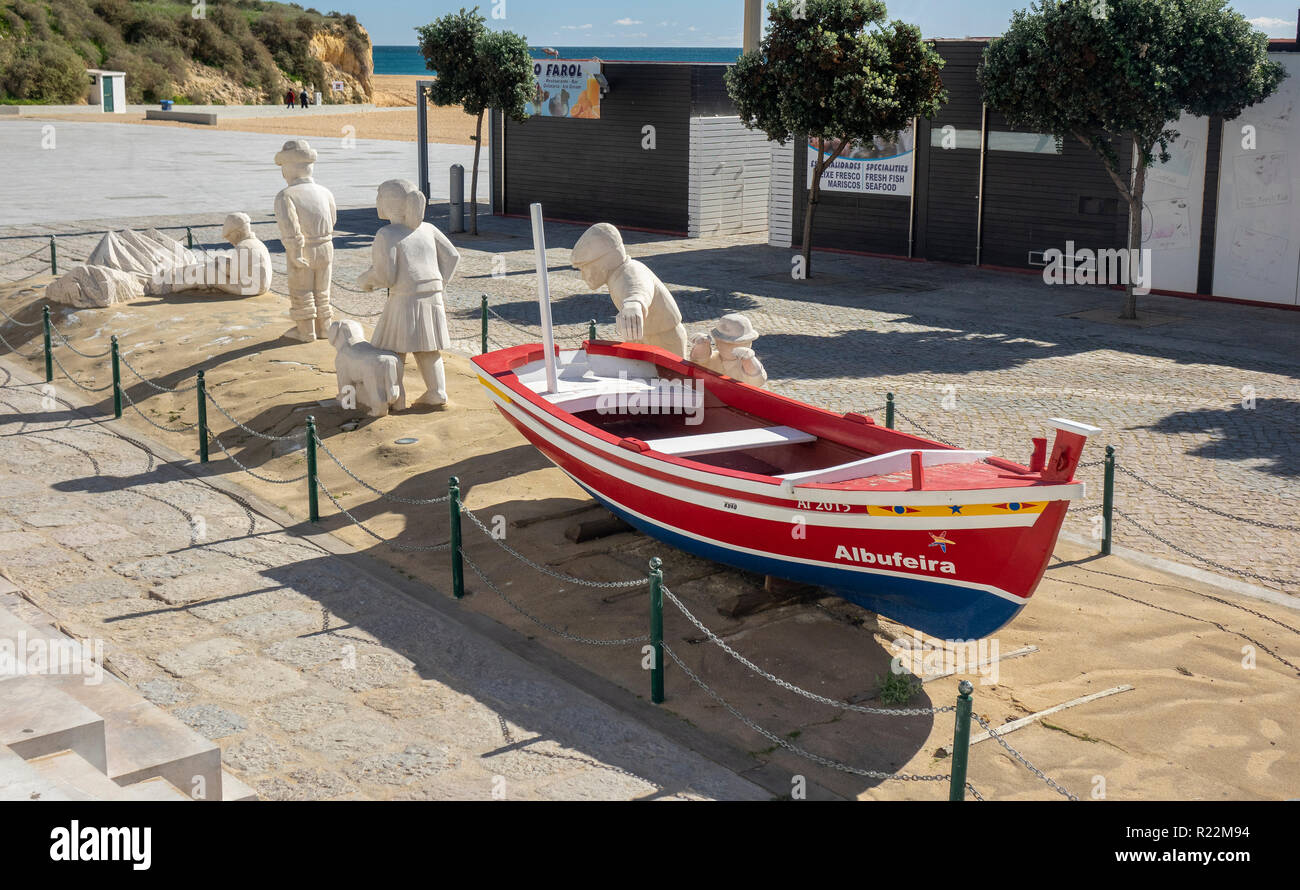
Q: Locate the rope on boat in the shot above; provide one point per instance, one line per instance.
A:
(795, 749)
(847, 706)
(547, 570)
(589, 641)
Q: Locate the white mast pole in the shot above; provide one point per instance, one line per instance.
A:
(544, 297)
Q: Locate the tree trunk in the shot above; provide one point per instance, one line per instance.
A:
(1135, 207)
(814, 195)
(473, 183)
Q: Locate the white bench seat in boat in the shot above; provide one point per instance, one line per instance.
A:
(883, 465)
(734, 440)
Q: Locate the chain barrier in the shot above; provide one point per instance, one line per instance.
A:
(1245, 573)
(44, 248)
(74, 380)
(547, 570)
(23, 324)
(417, 502)
(16, 351)
(1018, 756)
(925, 431)
(415, 548)
(249, 430)
(251, 472)
(847, 706)
(790, 746)
(68, 343)
(1206, 507)
(589, 641)
(157, 387)
(183, 428)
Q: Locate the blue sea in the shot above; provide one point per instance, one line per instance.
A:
(407, 59)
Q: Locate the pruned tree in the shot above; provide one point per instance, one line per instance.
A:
(477, 69)
(837, 72)
(1098, 70)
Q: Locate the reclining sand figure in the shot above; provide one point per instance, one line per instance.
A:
(244, 270)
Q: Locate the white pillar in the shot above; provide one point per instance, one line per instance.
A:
(753, 24)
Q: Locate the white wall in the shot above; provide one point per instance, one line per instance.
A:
(728, 182)
(1257, 242)
(780, 201)
(1175, 196)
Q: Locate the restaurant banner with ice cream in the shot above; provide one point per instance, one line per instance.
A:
(565, 88)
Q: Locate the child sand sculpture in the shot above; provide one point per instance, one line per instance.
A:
(647, 312)
(729, 351)
(306, 214)
(415, 261)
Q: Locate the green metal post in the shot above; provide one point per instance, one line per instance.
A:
(117, 380)
(591, 329)
(189, 238)
(457, 565)
(202, 389)
(889, 410)
(1108, 500)
(54, 258)
(484, 312)
(313, 506)
(49, 347)
(657, 630)
(961, 741)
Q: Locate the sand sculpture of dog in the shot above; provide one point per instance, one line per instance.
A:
(369, 378)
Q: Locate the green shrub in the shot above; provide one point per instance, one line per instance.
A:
(47, 73)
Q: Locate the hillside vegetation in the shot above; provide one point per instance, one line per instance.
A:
(237, 51)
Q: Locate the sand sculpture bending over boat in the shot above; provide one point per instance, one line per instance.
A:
(415, 261)
(647, 312)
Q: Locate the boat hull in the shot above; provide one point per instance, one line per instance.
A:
(952, 573)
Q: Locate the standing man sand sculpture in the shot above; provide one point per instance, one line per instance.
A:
(415, 261)
(647, 312)
(306, 214)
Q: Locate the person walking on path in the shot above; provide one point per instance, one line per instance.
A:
(289, 99)
(304, 99)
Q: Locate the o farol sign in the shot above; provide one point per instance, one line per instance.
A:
(566, 88)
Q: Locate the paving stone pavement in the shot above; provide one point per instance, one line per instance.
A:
(318, 680)
(1205, 404)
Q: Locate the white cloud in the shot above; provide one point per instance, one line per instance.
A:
(575, 27)
(626, 22)
(1274, 26)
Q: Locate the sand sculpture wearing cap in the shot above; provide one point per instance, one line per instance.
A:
(245, 270)
(728, 352)
(306, 214)
(415, 261)
(647, 312)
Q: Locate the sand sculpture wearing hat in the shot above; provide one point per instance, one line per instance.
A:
(415, 261)
(647, 312)
(306, 214)
(245, 270)
(729, 351)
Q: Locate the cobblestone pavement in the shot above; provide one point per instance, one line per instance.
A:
(318, 680)
(1204, 404)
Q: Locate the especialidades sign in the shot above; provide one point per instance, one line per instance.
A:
(879, 167)
(565, 88)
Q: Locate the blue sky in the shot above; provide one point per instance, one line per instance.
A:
(703, 22)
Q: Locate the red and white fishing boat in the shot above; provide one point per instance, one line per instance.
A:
(951, 542)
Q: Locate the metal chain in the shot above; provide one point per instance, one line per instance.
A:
(923, 429)
(250, 472)
(547, 570)
(1091, 463)
(42, 249)
(24, 324)
(1245, 573)
(158, 387)
(589, 641)
(418, 502)
(184, 427)
(861, 709)
(795, 749)
(68, 343)
(74, 380)
(1077, 509)
(16, 351)
(1206, 507)
(510, 323)
(246, 429)
(1018, 756)
(416, 548)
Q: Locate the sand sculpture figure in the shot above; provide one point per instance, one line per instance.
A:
(726, 350)
(369, 378)
(245, 270)
(415, 261)
(306, 214)
(647, 312)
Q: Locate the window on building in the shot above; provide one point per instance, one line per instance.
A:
(1026, 143)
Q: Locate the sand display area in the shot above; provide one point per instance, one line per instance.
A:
(1209, 717)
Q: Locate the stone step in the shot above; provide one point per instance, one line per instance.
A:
(76, 777)
(233, 789)
(153, 789)
(20, 781)
(37, 717)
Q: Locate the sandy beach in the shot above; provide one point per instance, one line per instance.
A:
(1203, 722)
